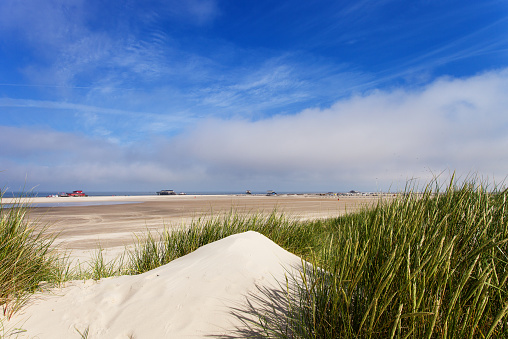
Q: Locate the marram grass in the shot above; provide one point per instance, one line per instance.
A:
(420, 266)
(25, 257)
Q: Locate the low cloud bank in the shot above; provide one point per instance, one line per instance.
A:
(377, 139)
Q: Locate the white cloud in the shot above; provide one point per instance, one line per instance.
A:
(381, 138)
(54, 160)
(455, 124)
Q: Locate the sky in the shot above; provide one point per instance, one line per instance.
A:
(225, 96)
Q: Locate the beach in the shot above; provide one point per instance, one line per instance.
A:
(114, 223)
(218, 290)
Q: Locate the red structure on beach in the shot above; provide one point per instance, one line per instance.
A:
(76, 194)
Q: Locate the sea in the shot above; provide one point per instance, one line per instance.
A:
(67, 202)
(33, 194)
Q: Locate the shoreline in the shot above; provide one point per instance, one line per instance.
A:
(145, 198)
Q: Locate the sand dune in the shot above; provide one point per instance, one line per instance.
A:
(201, 295)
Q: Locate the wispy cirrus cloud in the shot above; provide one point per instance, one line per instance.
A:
(43, 23)
(70, 52)
(122, 126)
(139, 66)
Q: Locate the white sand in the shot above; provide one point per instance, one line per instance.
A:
(201, 295)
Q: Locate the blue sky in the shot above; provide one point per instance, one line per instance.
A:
(205, 95)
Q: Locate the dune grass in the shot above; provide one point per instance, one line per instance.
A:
(25, 257)
(431, 265)
(420, 266)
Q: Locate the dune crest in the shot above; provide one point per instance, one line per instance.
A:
(203, 294)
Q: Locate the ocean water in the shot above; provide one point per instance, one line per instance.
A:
(11, 194)
(33, 194)
(73, 203)
(67, 202)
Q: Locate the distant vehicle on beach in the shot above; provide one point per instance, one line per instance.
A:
(270, 192)
(166, 192)
(73, 194)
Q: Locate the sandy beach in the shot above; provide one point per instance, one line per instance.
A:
(109, 226)
(216, 291)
